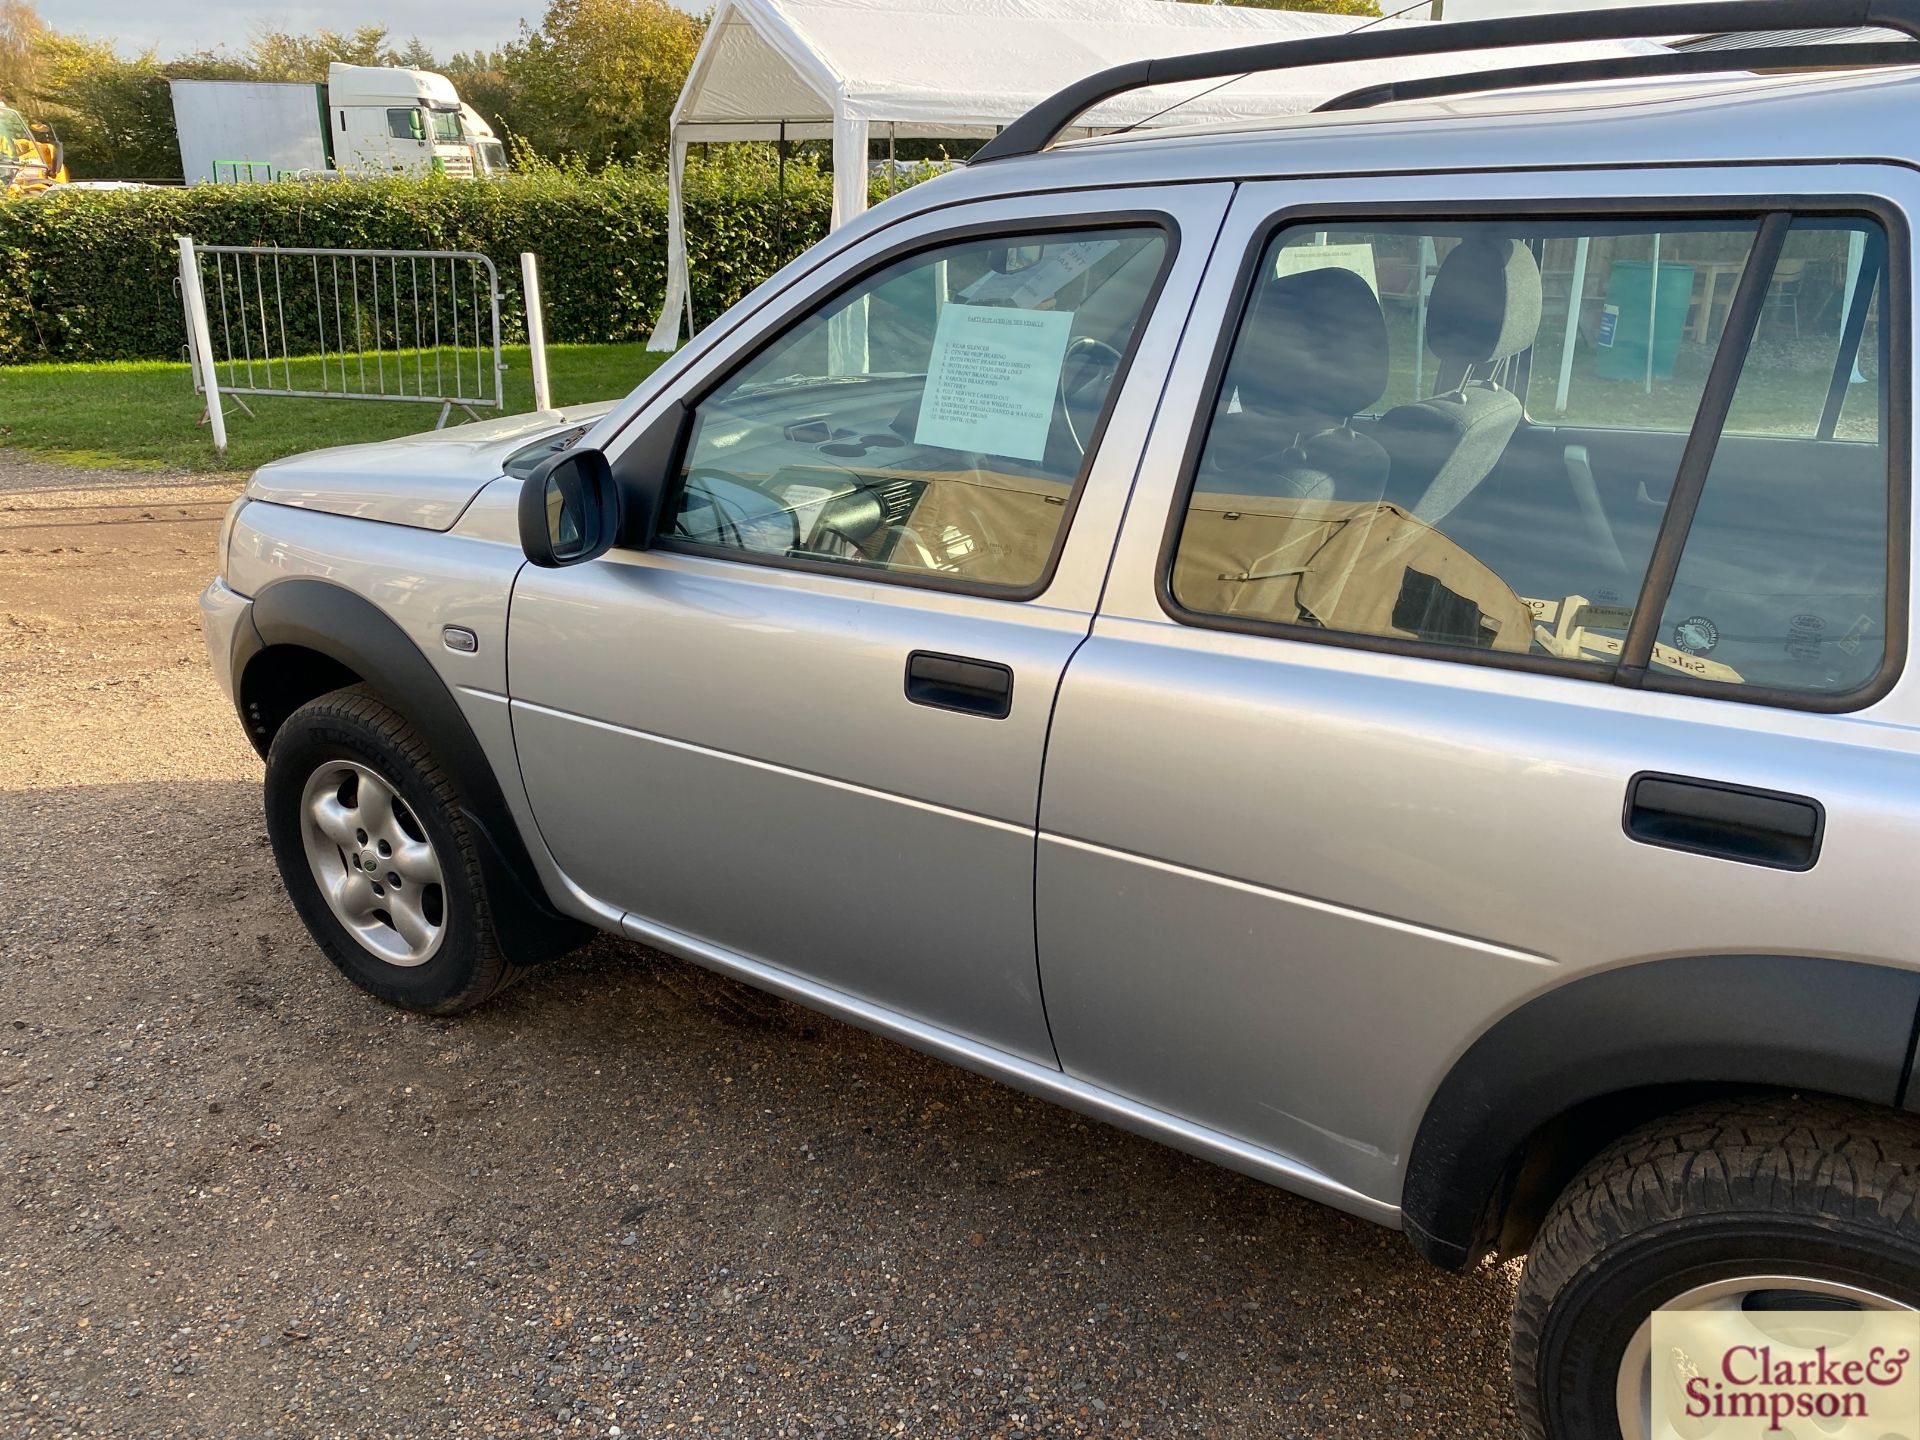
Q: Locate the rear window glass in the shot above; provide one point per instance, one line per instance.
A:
(1464, 435)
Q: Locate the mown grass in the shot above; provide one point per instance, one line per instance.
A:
(143, 415)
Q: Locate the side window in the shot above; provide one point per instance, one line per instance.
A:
(1369, 466)
(930, 422)
(1630, 322)
(1784, 574)
(405, 125)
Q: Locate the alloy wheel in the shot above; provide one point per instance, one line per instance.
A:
(373, 862)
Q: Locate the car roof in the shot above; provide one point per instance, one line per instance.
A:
(1855, 116)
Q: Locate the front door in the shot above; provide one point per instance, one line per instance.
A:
(805, 725)
(1358, 756)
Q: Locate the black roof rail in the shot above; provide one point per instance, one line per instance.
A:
(1846, 56)
(1040, 126)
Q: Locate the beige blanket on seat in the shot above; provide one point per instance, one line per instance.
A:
(1365, 567)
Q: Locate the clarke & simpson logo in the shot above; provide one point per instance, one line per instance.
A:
(1737, 1374)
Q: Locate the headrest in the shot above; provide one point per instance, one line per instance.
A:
(1315, 343)
(1486, 302)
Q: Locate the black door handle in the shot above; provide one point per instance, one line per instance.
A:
(954, 682)
(1734, 822)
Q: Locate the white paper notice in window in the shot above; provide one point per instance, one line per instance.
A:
(992, 379)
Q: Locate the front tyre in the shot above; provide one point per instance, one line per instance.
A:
(1766, 1205)
(379, 862)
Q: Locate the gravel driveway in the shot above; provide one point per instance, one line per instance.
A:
(238, 1198)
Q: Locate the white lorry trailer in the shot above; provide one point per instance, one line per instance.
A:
(366, 121)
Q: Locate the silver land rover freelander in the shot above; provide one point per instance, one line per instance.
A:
(1369, 647)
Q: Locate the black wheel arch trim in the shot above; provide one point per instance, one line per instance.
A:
(354, 633)
(1836, 1027)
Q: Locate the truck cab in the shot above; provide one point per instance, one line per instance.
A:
(489, 155)
(388, 120)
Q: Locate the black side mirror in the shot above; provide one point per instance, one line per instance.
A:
(569, 509)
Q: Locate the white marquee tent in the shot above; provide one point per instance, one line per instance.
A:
(851, 70)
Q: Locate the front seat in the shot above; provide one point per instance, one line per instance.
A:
(1485, 307)
(1311, 355)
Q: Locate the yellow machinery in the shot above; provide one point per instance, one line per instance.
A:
(31, 158)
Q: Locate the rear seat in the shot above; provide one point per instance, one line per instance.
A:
(1311, 355)
(1485, 307)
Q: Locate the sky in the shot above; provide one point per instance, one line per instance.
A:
(176, 26)
(446, 26)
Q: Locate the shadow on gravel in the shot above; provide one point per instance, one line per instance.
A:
(627, 1192)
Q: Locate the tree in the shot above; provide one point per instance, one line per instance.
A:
(595, 82)
(482, 80)
(416, 56)
(115, 116)
(281, 55)
(209, 65)
(22, 32)
(599, 78)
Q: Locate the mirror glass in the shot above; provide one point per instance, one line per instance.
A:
(569, 509)
(563, 518)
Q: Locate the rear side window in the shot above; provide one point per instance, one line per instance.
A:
(1462, 438)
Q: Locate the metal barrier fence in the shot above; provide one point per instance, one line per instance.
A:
(396, 325)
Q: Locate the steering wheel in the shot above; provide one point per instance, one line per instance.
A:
(731, 522)
(1104, 356)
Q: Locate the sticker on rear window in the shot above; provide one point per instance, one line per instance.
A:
(1696, 635)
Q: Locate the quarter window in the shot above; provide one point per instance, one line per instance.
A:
(1369, 466)
(933, 421)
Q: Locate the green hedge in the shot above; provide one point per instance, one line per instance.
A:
(90, 275)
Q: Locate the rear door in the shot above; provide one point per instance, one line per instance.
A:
(805, 725)
(1344, 774)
